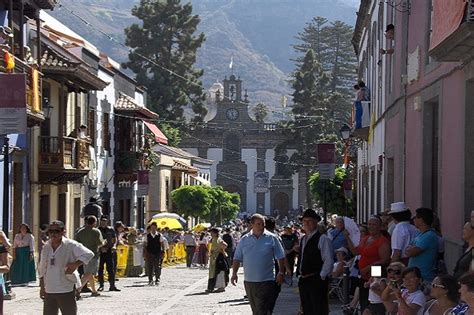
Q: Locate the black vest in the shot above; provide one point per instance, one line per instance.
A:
(312, 261)
(228, 239)
(153, 244)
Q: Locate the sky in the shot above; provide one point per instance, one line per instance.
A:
(354, 3)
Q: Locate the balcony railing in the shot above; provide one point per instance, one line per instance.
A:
(33, 85)
(128, 162)
(63, 153)
(361, 119)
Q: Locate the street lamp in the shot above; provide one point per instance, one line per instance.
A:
(345, 132)
(47, 108)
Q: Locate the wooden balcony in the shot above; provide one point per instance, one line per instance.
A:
(458, 46)
(128, 162)
(34, 110)
(45, 4)
(361, 120)
(31, 6)
(62, 159)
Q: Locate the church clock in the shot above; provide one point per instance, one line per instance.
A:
(232, 114)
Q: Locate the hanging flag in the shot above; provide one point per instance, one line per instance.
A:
(231, 64)
(9, 61)
(346, 158)
(371, 129)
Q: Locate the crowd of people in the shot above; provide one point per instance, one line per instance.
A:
(394, 261)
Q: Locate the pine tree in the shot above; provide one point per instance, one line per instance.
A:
(167, 37)
(310, 109)
(331, 43)
(341, 57)
(314, 36)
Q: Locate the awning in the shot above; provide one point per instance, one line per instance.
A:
(201, 180)
(447, 16)
(180, 166)
(159, 136)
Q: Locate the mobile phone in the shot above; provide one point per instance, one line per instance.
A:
(394, 283)
(376, 271)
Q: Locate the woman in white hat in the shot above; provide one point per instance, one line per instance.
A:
(341, 255)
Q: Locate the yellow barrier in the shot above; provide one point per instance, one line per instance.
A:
(122, 258)
(178, 255)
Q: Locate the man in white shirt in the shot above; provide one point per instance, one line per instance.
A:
(403, 233)
(314, 267)
(58, 275)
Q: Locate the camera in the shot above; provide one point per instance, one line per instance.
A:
(394, 283)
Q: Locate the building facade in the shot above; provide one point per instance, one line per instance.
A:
(428, 108)
(243, 151)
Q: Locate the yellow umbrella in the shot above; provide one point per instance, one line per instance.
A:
(170, 223)
(201, 227)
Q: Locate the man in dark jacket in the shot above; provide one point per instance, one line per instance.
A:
(314, 266)
(153, 251)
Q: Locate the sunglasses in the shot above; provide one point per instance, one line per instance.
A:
(394, 271)
(434, 285)
(51, 231)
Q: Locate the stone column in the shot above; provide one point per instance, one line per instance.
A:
(260, 206)
(33, 203)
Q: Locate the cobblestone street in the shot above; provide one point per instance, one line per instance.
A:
(181, 292)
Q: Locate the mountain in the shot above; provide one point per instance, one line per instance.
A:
(257, 33)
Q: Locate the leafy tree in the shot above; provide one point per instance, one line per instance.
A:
(166, 38)
(173, 134)
(225, 205)
(211, 203)
(332, 191)
(261, 112)
(194, 201)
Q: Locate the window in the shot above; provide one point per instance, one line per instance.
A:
(124, 208)
(167, 191)
(46, 93)
(62, 208)
(435, 158)
(373, 196)
(429, 33)
(390, 181)
(91, 126)
(105, 131)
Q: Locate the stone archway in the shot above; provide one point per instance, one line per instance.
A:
(281, 202)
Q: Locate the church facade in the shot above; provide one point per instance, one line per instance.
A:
(244, 153)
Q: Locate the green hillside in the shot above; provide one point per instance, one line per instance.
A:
(258, 33)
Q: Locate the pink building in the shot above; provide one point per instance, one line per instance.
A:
(428, 108)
